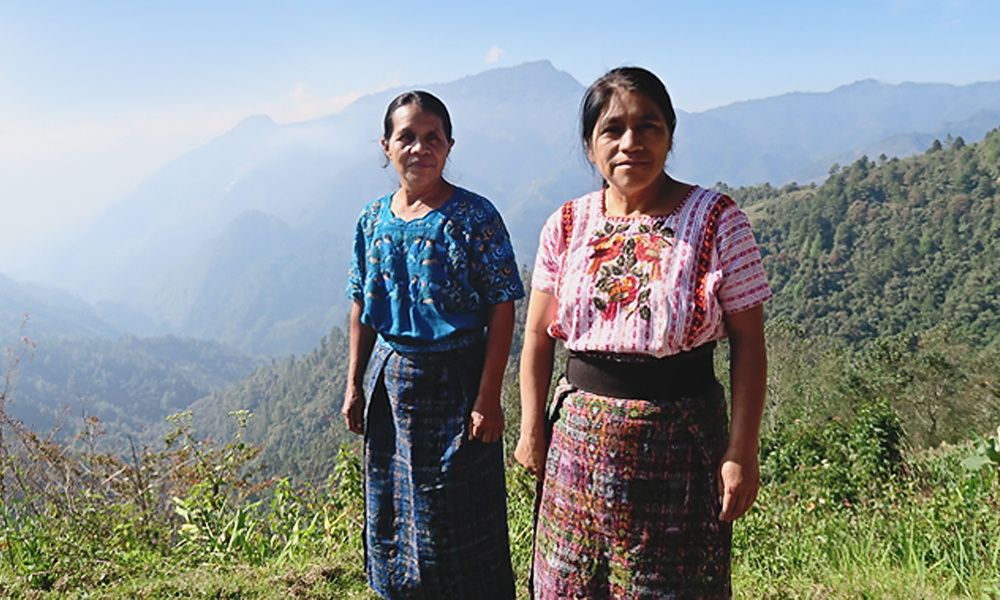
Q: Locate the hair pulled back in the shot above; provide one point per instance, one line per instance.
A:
(426, 101)
(623, 79)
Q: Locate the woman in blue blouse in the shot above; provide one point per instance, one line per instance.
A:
(433, 282)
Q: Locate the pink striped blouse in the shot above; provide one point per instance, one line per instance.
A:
(648, 285)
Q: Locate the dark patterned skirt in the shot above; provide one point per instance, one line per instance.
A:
(435, 501)
(630, 502)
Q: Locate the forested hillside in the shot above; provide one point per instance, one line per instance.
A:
(54, 314)
(245, 240)
(131, 384)
(885, 281)
(260, 287)
(296, 407)
(292, 402)
(884, 362)
(888, 246)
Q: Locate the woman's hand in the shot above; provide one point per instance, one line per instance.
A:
(362, 341)
(486, 421)
(537, 355)
(531, 452)
(739, 481)
(739, 472)
(354, 408)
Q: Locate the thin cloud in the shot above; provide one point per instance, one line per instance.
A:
(40, 139)
(189, 125)
(102, 160)
(495, 54)
(300, 104)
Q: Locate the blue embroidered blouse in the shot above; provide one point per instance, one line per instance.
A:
(427, 283)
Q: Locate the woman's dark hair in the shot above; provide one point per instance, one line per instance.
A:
(623, 79)
(424, 100)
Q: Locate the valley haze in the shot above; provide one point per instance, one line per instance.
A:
(246, 240)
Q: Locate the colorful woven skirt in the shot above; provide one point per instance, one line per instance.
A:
(436, 502)
(630, 502)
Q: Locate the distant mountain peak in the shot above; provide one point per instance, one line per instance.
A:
(870, 82)
(255, 123)
(543, 64)
(524, 71)
(185, 231)
(256, 120)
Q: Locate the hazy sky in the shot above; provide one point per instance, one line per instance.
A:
(96, 95)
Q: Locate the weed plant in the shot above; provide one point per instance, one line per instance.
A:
(924, 529)
(188, 519)
(846, 510)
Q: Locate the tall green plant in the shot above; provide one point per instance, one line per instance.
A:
(987, 453)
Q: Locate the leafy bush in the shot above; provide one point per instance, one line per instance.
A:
(927, 529)
(77, 518)
(987, 453)
(847, 460)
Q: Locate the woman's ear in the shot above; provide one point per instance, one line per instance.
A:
(385, 146)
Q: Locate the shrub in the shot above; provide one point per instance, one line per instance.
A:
(838, 459)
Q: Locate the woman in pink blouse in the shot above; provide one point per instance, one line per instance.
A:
(643, 476)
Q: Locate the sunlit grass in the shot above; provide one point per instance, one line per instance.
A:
(934, 533)
(930, 530)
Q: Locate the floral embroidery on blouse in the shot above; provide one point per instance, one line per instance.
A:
(653, 285)
(624, 265)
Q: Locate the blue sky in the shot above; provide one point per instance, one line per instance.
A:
(96, 95)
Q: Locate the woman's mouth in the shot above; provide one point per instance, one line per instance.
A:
(633, 163)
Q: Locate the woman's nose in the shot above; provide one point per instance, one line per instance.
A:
(629, 140)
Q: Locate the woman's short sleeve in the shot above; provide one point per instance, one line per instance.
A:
(548, 260)
(744, 282)
(356, 276)
(493, 265)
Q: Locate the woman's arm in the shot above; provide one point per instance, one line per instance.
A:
(739, 473)
(536, 374)
(362, 341)
(486, 421)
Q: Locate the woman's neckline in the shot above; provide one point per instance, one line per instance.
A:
(603, 207)
(429, 212)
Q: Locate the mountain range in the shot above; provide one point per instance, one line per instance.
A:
(246, 239)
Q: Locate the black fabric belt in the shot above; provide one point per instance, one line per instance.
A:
(669, 378)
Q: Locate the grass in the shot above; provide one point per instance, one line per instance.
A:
(931, 534)
(192, 521)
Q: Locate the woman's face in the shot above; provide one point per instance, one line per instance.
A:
(418, 147)
(630, 142)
